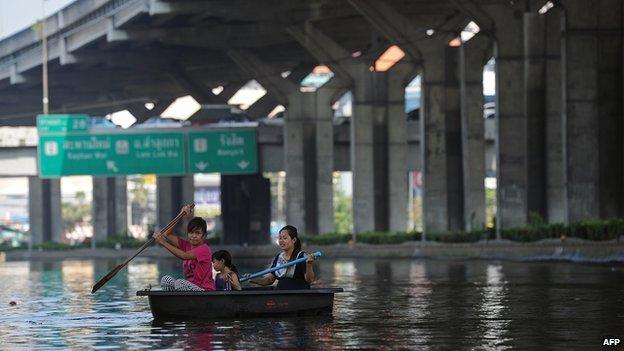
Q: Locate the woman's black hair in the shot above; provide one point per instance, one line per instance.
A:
(196, 223)
(292, 232)
(227, 259)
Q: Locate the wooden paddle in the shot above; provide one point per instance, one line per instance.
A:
(116, 270)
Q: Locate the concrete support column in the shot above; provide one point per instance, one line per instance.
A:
(324, 97)
(109, 210)
(44, 210)
(510, 119)
(308, 143)
(555, 171)
(397, 177)
(473, 56)
(592, 41)
(370, 133)
(363, 166)
(309, 160)
(299, 163)
(441, 141)
(535, 110)
(171, 194)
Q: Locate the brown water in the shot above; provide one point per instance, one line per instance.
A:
(387, 304)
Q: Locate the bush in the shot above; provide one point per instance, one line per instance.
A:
(387, 238)
(597, 230)
(458, 237)
(326, 239)
(126, 242)
(6, 246)
(51, 245)
(368, 237)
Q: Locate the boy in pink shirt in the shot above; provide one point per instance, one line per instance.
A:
(196, 254)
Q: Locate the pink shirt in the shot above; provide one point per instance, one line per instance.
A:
(199, 270)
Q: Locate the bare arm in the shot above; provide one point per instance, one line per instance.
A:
(169, 236)
(188, 255)
(309, 272)
(267, 279)
(236, 284)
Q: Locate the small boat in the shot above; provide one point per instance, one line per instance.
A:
(251, 302)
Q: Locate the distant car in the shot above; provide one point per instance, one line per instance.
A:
(101, 122)
(161, 122)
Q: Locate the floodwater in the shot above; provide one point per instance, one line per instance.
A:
(387, 304)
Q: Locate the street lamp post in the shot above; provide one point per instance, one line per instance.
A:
(44, 61)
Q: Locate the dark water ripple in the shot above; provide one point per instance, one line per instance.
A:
(387, 304)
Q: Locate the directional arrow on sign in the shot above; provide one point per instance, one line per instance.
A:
(201, 165)
(243, 164)
(111, 166)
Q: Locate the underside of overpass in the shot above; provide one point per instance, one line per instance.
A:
(558, 128)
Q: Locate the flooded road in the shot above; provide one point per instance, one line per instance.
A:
(391, 304)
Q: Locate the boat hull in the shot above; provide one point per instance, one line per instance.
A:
(235, 304)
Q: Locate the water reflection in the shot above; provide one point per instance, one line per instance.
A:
(492, 307)
(411, 304)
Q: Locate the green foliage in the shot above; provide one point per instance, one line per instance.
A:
(595, 230)
(6, 246)
(126, 242)
(343, 211)
(387, 238)
(326, 239)
(54, 246)
(458, 236)
(536, 220)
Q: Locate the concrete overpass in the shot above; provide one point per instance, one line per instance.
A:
(559, 91)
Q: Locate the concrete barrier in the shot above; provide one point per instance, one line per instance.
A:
(573, 250)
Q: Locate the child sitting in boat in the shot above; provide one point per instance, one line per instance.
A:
(294, 277)
(196, 254)
(227, 279)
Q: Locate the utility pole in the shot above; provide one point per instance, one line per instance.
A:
(44, 61)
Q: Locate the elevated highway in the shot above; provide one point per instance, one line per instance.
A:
(558, 139)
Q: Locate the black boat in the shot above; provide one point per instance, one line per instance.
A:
(251, 302)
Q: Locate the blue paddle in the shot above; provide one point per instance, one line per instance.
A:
(273, 269)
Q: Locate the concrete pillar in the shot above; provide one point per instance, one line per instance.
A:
(109, 210)
(44, 210)
(363, 165)
(535, 110)
(397, 177)
(309, 160)
(441, 141)
(299, 162)
(369, 132)
(555, 171)
(172, 193)
(324, 97)
(308, 143)
(593, 111)
(510, 119)
(473, 56)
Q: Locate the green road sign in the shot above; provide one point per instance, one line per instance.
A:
(112, 154)
(62, 123)
(223, 151)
